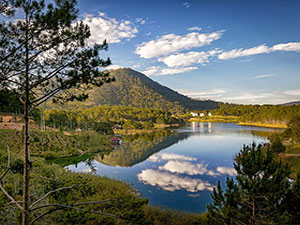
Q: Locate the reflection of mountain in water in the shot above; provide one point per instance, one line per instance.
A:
(138, 148)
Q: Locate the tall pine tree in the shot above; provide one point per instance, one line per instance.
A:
(43, 54)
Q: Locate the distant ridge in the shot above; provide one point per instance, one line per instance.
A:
(135, 89)
(291, 103)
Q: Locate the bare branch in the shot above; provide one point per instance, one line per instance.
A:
(96, 202)
(52, 74)
(8, 164)
(11, 198)
(46, 178)
(42, 215)
(75, 208)
(49, 193)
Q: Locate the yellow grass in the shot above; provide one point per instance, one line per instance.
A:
(263, 125)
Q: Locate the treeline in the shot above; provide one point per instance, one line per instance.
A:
(258, 113)
(10, 102)
(128, 117)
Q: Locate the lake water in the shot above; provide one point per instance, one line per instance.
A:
(177, 169)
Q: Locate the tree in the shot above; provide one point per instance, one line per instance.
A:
(259, 193)
(294, 127)
(45, 55)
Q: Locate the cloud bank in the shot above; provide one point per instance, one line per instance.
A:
(170, 43)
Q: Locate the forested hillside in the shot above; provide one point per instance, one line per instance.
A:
(259, 113)
(134, 89)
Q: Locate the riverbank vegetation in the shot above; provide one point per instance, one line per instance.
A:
(276, 116)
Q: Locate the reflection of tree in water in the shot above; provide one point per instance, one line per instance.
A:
(139, 147)
(91, 165)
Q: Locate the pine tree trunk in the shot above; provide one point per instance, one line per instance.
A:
(26, 184)
(25, 213)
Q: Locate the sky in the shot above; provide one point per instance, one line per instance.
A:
(237, 51)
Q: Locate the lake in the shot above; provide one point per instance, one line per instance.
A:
(177, 169)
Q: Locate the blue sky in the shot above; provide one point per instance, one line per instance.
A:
(240, 51)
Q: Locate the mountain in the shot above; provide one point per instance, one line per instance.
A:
(291, 103)
(135, 89)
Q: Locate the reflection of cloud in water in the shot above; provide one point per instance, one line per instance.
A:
(172, 182)
(88, 170)
(187, 168)
(170, 156)
(226, 170)
(193, 195)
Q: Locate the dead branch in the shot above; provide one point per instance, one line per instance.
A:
(75, 208)
(95, 202)
(11, 198)
(49, 193)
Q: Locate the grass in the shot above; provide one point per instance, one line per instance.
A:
(53, 144)
(215, 119)
(262, 125)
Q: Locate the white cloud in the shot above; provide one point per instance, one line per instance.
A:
(186, 5)
(113, 67)
(113, 31)
(170, 43)
(187, 168)
(244, 52)
(140, 20)
(264, 76)
(226, 170)
(194, 28)
(295, 92)
(205, 94)
(187, 59)
(158, 71)
(172, 182)
(289, 47)
(170, 156)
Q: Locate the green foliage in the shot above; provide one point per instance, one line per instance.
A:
(130, 117)
(103, 128)
(260, 191)
(276, 144)
(157, 216)
(123, 202)
(9, 102)
(294, 128)
(52, 144)
(269, 114)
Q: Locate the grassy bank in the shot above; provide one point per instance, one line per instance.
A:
(53, 144)
(215, 119)
(235, 119)
(268, 125)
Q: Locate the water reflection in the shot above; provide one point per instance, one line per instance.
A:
(179, 169)
(140, 147)
(172, 182)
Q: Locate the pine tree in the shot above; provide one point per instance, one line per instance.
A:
(259, 192)
(43, 55)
